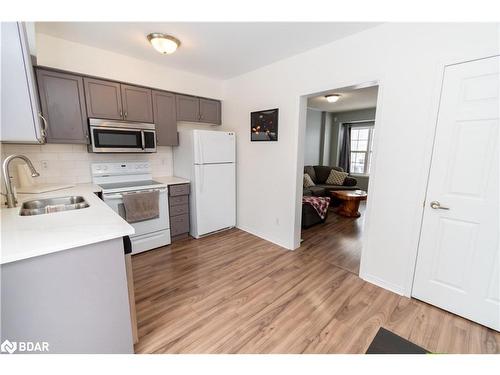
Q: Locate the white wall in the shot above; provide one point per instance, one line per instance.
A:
(407, 60)
(313, 138)
(81, 58)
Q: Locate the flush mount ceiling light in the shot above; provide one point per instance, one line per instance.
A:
(163, 43)
(332, 98)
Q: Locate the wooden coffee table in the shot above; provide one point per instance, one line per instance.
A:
(349, 201)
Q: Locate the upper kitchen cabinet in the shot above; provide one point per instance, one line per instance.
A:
(193, 109)
(20, 119)
(188, 108)
(210, 111)
(63, 106)
(137, 103)
(165, 119)
(115, 101)
(103, 99)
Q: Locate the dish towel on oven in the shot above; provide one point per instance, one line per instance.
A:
(320, 204)
(141, 205)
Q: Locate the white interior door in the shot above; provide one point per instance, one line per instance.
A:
(458, 258)
(214, 147)
(215, 198)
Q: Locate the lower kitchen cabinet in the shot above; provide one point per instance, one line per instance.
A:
(75, 300)
(178, 196)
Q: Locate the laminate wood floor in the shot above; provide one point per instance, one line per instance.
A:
(337, 240)
(233, 292)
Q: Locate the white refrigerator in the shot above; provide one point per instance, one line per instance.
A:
(207, 159)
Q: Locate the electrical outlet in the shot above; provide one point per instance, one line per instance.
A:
(277, 221)
(45, 164)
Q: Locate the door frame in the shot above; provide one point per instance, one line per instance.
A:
(378, 123)
(443, 64)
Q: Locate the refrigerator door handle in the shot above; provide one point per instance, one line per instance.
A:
(202, 177)
(200, 149)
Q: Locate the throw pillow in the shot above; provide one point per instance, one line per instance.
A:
(309, 169)
(308, 182)
(336, 177)
(322, 173)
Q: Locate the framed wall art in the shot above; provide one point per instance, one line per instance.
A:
(264, 125)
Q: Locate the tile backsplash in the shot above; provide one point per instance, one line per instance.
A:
(65, 163)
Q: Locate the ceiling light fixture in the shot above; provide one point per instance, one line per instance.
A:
(163, 43)
(332, 98)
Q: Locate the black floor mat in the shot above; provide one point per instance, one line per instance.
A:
(386, 342)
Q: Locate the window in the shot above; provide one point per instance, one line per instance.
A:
(361, 149)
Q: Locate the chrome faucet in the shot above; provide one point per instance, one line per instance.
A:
(11, 197)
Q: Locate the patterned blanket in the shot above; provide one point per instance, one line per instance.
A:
(320, 204)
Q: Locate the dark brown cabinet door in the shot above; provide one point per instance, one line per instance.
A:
(165, 118)
(63, 106)
(188, 108)
(137, 103)
(103, 99)
(210, 111)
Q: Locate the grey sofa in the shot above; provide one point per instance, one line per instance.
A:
(319, 174)
(310, 217)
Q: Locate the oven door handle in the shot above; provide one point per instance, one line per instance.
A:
(120, 195)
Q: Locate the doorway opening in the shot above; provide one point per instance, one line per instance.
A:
(338, 148)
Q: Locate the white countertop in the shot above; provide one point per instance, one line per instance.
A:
(25, 237)
(29, 236)
(171, 180)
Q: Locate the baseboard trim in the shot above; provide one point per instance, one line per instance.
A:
(264, 237)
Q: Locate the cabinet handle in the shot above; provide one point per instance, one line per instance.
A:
(121, 113)
(44, 127)
(126, 113)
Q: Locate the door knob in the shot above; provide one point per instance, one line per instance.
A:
(437, 206)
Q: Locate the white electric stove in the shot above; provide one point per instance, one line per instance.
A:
(116, 179)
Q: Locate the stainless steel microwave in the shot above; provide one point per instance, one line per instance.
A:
(120, 136)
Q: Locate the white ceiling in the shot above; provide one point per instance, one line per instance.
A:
(218, 50)
(350, 100)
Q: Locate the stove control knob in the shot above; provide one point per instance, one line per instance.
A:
(105, 167)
